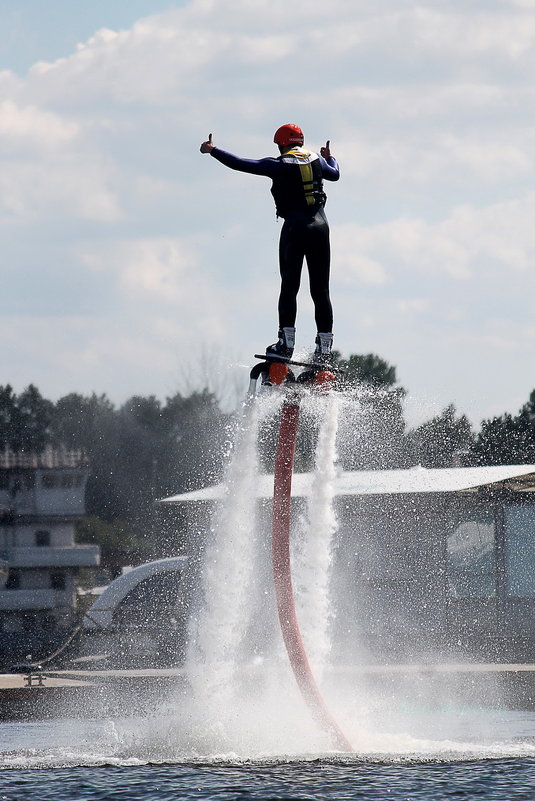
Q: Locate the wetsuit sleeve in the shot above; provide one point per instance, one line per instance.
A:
(268, 167)
(329, 168)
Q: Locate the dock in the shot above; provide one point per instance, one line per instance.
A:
(102, 694)
(87, 693)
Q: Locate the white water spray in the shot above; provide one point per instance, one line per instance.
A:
(218, 631)
(313, 561)
(219, 628)
(238, 667)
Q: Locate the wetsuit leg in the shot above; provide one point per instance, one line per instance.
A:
(291, 255)
(318, 256)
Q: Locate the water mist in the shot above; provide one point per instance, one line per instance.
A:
(242, 683)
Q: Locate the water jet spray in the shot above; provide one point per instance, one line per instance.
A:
(280, 549)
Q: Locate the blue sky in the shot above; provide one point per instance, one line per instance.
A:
(128, 257)
(33, 30)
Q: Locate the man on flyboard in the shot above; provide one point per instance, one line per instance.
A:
(297, 189)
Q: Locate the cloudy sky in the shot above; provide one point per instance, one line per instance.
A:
(126, 254)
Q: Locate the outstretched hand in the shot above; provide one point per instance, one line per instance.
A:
(326, 151)
(207, 146)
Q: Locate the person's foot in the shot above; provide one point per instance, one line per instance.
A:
(284, 347)
(279, 350)
(324, 344)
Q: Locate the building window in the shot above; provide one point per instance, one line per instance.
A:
(58, 581)
(49, 480)
(42, 539)
(520, 551)
(471, 555)
(13, 581)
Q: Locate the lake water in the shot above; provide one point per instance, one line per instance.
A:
(154, 759)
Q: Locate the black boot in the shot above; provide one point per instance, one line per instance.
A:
(324, 344)
(284, 348)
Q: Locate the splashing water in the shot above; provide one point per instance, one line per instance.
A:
(245, 701)
(313, 553)
(244, 684)
(217, 632)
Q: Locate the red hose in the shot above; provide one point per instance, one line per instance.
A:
(284, 461)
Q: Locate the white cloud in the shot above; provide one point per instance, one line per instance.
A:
(353, 264)
(161, 58)
(424, 156)
(430, 110)
(469, 242)
(412, 305)
(23, 125)
(163, 270)
(527, 4)
(63, 186)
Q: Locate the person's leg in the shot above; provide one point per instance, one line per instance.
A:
(291, 255)
(318, 256)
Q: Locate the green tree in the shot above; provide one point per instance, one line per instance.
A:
(78, 422)
(507, 439)
(368, 369)
(374, 426)
(197, 433)
(146, 450)
(373, 430)
(442, 441)
(24, 419)
(9, 416)
(119, 543)
(142, 451)
(371, 423)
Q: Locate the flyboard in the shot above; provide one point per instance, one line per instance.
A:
(279, 372)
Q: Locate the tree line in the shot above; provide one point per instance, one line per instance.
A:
(146, 449)
(137, 452)
(446, 440)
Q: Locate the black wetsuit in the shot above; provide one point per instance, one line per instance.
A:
(298, 192)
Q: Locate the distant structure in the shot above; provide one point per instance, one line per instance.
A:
(140, 618)
(429, 563)
(41, 498)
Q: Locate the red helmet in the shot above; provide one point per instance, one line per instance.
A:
(289, 135)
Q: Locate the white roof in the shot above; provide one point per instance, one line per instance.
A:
(388, 482)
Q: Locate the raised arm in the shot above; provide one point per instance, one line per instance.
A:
(329, 165)
(268, 166)
(208, 146)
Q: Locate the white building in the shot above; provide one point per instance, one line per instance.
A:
(438, 561)
(41, 498)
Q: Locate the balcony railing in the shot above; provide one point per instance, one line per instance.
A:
(25, 600)
(50, 457)
(43, 501)
(73, 556)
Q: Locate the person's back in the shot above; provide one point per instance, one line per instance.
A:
(299, 186)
